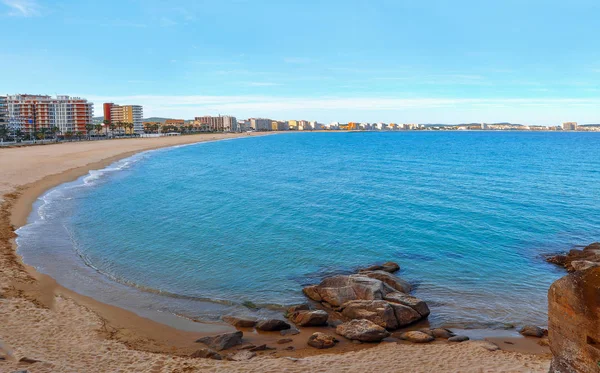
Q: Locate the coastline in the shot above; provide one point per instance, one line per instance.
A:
(46, 305)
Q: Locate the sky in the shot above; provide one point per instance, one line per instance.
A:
(425, 61)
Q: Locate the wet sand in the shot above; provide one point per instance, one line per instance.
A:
(65, 331)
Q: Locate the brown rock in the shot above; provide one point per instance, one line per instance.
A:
(378, 311)
(310, 318)
(395, 282)
(438, 333)
(362, 330)
(242, 355)
(458, 338)
(321, 341)
(576, 260)
(284, 341)
(291, 331)
(240, 322)
(573, 319)
(416, 337)
(206, 353)
(410, 301)
(337, 290)
(390, 267)
(404, 314)
(299, 307)
(222, 341)
(312, 292)
(532, 331)
(271, 325)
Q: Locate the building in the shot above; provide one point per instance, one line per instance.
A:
(125, 114)
(261, 124)
(30, 113)
(293, 125)
(222, 123)
(569, 126)
(175, 122)
(3, 111)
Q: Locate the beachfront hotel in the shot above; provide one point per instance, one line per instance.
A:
(29, 113)
(126, 114)
(569, 126)
(222, 123)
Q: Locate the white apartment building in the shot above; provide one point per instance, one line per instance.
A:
(261, 124)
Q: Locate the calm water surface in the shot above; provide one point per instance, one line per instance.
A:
(467, 216)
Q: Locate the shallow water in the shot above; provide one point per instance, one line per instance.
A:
(467, 216)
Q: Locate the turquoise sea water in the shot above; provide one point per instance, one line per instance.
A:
(467, 215)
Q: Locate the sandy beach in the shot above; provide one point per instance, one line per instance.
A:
(47, 328)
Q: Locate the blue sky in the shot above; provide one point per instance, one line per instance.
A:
(526, 61)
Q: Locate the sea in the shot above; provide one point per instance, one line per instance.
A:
(240, 226)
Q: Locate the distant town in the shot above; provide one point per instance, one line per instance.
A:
(27, 117)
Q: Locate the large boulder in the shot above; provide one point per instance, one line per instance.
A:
(240, 322)
(404, 314)
(337, 290)
(362, 330)
(574, 322)
(532, 331)
(394, 282)
(321, 340)
(410, 301)
(271, 325)
(222, 341)
(378, 311)
(310, 318)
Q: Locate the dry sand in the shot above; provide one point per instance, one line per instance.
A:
(56, 330)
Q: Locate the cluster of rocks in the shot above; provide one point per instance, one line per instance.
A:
(362, 307)
(578, 260)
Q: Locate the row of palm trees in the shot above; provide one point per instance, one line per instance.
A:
(45, 133)
(166, 128)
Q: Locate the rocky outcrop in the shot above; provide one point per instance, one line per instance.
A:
(321, 340)
(362, 330)
(577, 260)
(222, 341)
(390, 267)
(271, 325)
(309, 318)
(458, 338)
(438, 333)
(574, 321)
(240, 322)
(373, 294)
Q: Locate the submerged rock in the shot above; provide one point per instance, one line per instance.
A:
(362, 330)
(299, 307)
(271, 325)
(240, 322)
(321, 340)
(309, 318)
(389, 267)
(578, 260)
(416, 337)
(222, 341)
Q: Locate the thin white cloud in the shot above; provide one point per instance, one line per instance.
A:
(22, 8)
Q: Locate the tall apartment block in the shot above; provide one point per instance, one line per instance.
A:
(3, 111)
(125, 113)
(222, 123)
(569, 126)
(29, 113)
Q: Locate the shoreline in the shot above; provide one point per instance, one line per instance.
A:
(115, 324)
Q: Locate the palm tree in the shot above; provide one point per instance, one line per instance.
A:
(98, 128)
(54, 131)
(68, 135)
(79, 134)
(130, 125)
(107, 124)
(88, 129)
(112, 127)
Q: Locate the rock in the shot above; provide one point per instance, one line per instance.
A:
(489, 346)
(272, 325)
(246, 347)
(262, 347)
(240, 322)
(416, 337)
(410, 301)
(362, 330)
(299, 307)
(28, 360)
(576, 260)
(291, 331)
(544, 342)
(321, 341)
(389, 267)
(378, 311)
(284, 341)
(290, 348)
(438, 333)
(582, 265)
(404, 314)
(222, 341)
(206, 353)
(334, 323)
(310, 318)
(573, 319)
(532, 331)
(458, 338)
(312, 293)
(242, 355)
(395, 282)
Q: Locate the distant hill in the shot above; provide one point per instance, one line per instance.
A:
(151, 119)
